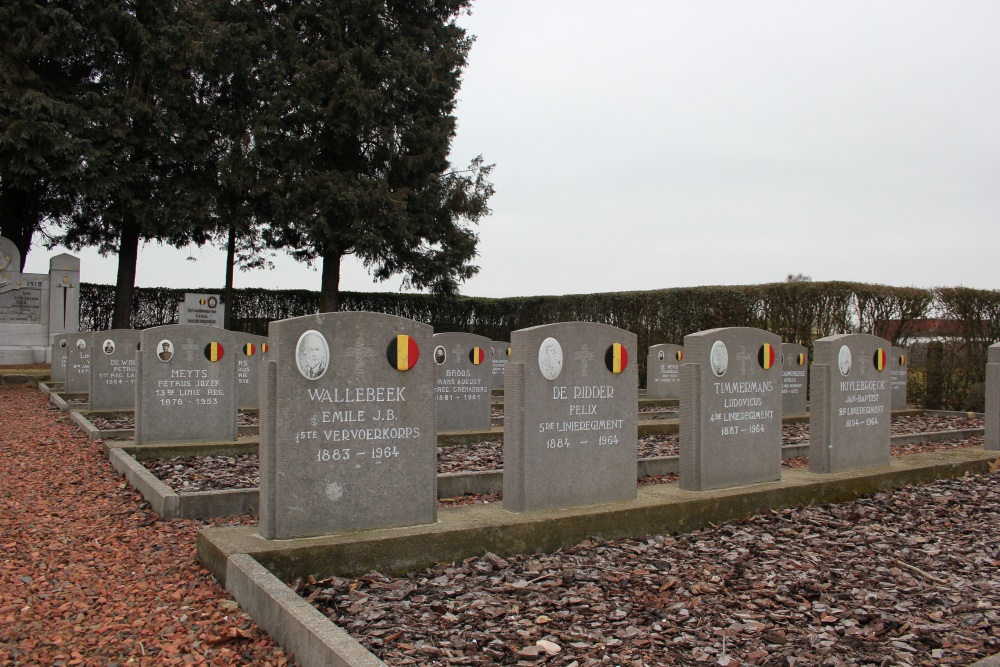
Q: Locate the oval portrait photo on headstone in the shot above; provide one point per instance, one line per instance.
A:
(440, 355)
(660, 355)
(63, 342)
(81, 344)
(550, 358)
(719, 358)
(109, 346)
(312, 355)
(164, 350)
(844, 360)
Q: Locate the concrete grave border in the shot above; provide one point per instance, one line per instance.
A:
(252, 569)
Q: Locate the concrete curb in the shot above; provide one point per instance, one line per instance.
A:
(293, 623)
(252, 568)
(237, 502)
(172, 505)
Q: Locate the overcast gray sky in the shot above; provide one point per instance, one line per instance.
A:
(648, 144)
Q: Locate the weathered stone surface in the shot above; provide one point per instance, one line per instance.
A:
(794, 378)
(899, 365)
(851, 403)
(251, 355)
(113, 369)
(663, 371)
(78, 356)
(347, 433)
(570, 420)
(185, 385)
(992, 439)
(500, 356)
(730, 419)
(59, 353)
(462, 379)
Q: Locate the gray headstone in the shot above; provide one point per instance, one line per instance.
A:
(850, 403)
(899, 363)
(60, 348)
(203, 309)
(78, 356)
(347, 436)
(462, 381)
(251, 354)
(186, 385)
(730, 420)
(570, 419)
(663, 371)
(500, 356)
(794, 379)
(991, 441)
(112, 369)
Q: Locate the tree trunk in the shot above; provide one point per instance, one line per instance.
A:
(21, 218)
(128, 256)
(329, 291)
(227, 292)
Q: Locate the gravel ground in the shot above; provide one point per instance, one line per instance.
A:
(904, 578)
(88, 574)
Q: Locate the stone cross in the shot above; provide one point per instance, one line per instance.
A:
(361, 353)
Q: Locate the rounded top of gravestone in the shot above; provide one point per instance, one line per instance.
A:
(10, 257)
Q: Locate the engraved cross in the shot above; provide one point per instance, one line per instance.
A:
(190, 348)
(360, 353)
(744, 358)
(584, 355)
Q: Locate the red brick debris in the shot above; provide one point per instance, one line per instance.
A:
(89, 575)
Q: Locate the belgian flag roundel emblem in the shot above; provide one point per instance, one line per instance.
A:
(765, 356)
(616, 358)
(801, 359)
(249, 349)
(879, 359)
(477, 355)
(214, 351)
(902, 360)
(402, 352)
(679, 354)
(263, 348)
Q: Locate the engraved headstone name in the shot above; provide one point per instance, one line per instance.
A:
(663, 371)
(794, 378)
(462, 381)
(113, 362)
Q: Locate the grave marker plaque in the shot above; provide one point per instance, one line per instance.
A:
(59, 351)
(251, 354)
(991, 441)
(185, 385)
(851, 403)
(794, 379)
(78, 363)
(204, 309)
(570, 426)
(462, 381)
(500, 356)
(347, 432)
(112, 369)
(899, 364)
(663, 371)
(730, 420)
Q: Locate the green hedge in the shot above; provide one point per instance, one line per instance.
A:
(799, 312)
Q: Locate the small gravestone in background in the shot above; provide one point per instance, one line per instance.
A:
(251, 354)
(730, 420)
(991, 441)
(570, 426)
(203, 309)
(78, 363)
(499, 357)
(851, 403)
(347, 437)
(60, 348)
(462, 381)
(185, 385)
(898, 364)
(663, 371)
(112, 369)
(794, 379)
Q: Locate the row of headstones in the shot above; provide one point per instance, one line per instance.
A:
(190, 388)
(663, 375)
(348, 431)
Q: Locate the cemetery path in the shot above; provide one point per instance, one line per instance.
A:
(88, 574)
